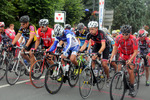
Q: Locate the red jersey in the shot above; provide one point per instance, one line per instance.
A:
(128, 46)
(46, 37)
(11, 35)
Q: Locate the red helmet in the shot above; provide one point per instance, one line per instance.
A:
(142, 33)
(2, 24)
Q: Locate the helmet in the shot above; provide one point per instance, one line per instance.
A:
(24, 19)
(58, 30)
(67, 26)
(142, 33)
(105, 30)
(126, 29)
(80, 26)
(92, 24)
(114, 31)
(43, 22)
(2, 24)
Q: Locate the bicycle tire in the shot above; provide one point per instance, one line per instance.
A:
(14, 73)
(49, 78)
(136, 82)
(73, 76)
(116, 96)
(36, 71)
(101, 79)
(2, 67)
(86, 77)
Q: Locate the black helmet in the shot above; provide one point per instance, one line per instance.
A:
(80, 26)
(126, 29)
(24, 19)
(67, 26)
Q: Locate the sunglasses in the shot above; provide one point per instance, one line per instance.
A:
(42, 26)
(125, 34)
(23, 24)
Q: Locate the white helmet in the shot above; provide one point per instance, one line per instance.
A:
(2, 24)
(92, 24)
(43, 22)
(114, 31)
(58, 30)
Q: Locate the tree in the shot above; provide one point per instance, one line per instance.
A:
(7, 12)
(74, 11)
(130, 12)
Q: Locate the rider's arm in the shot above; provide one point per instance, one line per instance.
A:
(102, 47)
(78, 40)
(86, 42)
(54, 45)
(38, 39)
(31, 37)
(89, 45)
(135, 47)
(37, 43)
(114, 51)
(16, 38)
(115, 47)
(68, 43)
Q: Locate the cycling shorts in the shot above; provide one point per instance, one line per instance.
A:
(97, 47)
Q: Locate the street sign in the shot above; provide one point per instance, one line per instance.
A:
(101, 11)
(60, 16)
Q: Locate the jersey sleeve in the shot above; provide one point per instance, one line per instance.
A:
(117, 41)
(54, 45)
(20, 30)
(38, 34)
(103, 39)
(32, 29)
(88, 37)
(135, 44)
(68, 42)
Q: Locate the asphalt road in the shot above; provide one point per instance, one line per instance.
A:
(23, 90)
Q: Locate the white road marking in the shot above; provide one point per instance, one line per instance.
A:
(6, 85)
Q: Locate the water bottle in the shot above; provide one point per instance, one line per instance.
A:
(67, 67)
(95, 71)
(25, 61)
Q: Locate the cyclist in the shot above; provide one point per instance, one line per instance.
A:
(46, 34)
(28, 31)
(71, 48)
(128, 52)
(101, 45)
(144, 49)
(114, 34)
(112, 43)
(81, 34)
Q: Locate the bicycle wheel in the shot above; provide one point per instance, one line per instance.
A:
(136, 82)
(141, 67)
(54, 79)
(117, 87)
(13, 71)
(73, 75)
(86, 82)
(36, 73)
(2, 67)
(101, 79)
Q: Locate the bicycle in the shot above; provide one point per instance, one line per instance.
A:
(16, 68)
(4, 58)
(37, 70)
(120, 82)
(88, 79)
(140, 64)
(56, 75)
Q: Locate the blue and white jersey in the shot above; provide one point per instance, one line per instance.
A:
(68, 38)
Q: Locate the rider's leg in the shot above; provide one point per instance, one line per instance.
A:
(131, 74)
